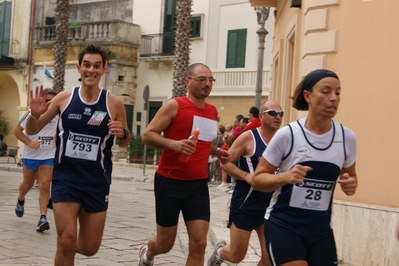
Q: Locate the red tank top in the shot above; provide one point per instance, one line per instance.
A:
(181, 128)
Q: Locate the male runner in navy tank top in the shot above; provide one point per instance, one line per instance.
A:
(248, 206)
(90, 118)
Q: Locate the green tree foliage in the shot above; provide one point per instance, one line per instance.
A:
(4, 125)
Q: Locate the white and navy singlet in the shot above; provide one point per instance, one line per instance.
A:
(306, 208)
(84, 141)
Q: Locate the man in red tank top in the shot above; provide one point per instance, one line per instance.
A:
(183, 187)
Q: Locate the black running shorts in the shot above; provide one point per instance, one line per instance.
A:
(285, 246)
(173, 196)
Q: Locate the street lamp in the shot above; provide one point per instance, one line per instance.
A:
(262, 15)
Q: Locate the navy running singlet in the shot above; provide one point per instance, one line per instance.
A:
(244, 197)
(84, 142)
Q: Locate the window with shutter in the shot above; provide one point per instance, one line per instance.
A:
(5, 26)
(196, 26)
(236, 46)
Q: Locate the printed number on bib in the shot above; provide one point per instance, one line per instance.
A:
(82, 146)
(46, 142)
(312, 194)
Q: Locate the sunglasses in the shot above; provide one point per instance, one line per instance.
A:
(274, 113)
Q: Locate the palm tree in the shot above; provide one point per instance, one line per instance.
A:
(182, 46)
(60, 43)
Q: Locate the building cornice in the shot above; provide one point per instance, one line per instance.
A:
(264, 3)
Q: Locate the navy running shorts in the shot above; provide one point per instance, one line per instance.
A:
(284, 246)
(93, 197)
(172, 196)
(246, 220)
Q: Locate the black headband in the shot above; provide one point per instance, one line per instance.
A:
(313, 77)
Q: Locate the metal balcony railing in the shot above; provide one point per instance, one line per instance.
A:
(155, 45)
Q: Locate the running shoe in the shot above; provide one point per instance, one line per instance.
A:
(223, 185)
(42, 225)
(215, 259)
(19, 209)
(142, 257)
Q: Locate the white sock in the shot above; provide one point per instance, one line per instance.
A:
(218, 252)
(145, 258)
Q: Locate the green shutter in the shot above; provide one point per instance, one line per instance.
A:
(169, 27)
(241, 47)
(196, 27)
(5, 26)
(236, 46)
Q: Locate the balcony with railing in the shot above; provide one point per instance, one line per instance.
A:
(98, 31)
(239, 83)
(6, 59)
(154, 45)
(122, 39)
(157, 49)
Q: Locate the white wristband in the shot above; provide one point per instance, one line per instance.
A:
(34, 117)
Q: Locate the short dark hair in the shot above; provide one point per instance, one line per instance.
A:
(52, 92)
(239, 117)
(245, 120)
(94, 49)
(254, 111)
(222, 129)
(191, 68)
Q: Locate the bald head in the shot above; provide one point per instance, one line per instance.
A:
(269, 105)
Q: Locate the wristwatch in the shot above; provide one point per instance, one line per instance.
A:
(125, 133)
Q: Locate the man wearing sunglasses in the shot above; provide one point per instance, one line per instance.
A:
(38, 161)
(274, 113)
(247, 208)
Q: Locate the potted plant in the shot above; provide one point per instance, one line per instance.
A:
(74, 29)
(136, 149)
(4, 125)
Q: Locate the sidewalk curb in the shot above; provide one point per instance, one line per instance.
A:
(11, 169)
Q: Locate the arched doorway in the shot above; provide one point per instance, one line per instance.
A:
(9, 102)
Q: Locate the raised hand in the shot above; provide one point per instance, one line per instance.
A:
(37, 101)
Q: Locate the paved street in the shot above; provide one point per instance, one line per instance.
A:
(130, 222)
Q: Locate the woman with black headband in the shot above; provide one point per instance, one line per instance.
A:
(313, 154)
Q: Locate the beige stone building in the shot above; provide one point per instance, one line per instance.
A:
(141, 47)
(27, 34)
(358, 40)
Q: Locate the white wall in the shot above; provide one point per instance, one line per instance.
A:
(148, 14)
(198, 46)
(20, 20)
(228, 15)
